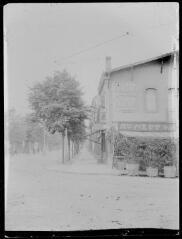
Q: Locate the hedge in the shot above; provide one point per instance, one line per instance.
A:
(148, 152)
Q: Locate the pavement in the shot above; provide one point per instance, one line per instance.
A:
(85, 163)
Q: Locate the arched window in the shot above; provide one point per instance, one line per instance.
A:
(151, 99)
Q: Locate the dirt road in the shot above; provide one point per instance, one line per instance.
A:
(39, 197)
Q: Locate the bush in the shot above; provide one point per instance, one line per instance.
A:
(121, 145)
(128, 147)
(149, 152)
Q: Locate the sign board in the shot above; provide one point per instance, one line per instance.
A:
(146, 126)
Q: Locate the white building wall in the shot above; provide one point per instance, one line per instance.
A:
(128, 93)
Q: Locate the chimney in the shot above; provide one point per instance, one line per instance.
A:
(108, 64)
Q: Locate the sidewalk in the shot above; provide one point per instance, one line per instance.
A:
(85, 163)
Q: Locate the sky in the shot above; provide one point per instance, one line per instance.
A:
(40, 39)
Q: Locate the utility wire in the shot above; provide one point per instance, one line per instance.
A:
(106, 42)
(95, 46)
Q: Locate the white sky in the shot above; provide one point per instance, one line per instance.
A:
(38, 36)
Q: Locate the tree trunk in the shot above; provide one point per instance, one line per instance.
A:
(103, 147)
(44, 141)
(75, 148)
(78, 147)
(72, 149)
(63, 148)
(68, 147)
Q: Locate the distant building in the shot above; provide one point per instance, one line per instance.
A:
(139, 99)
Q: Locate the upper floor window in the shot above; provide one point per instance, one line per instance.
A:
(151, 99)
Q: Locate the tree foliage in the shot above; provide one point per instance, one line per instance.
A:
(34, 131)
(21, 132)
(57, 101)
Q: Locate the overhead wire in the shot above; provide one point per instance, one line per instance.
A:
(94, 46)
(106, 42)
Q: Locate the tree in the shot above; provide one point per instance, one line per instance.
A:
(15, 130)
(34, 130)
(57, 102)
(76, 134)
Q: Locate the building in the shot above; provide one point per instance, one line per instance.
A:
(139, 99)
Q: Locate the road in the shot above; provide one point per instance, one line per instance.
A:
(43, 195)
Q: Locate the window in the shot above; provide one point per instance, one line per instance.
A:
(151, 99)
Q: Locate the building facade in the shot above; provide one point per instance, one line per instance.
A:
(140, 99)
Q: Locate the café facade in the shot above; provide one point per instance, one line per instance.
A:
(138, 99)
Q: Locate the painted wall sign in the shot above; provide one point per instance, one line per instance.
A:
(146, 126)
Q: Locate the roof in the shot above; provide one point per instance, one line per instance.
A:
(132, 65)
(141, 62)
